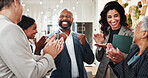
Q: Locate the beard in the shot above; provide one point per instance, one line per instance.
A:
(65, 28)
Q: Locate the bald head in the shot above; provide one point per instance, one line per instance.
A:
(65, 19)
(66, 11)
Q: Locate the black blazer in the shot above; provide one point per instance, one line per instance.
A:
(138, 69)
(63, 61)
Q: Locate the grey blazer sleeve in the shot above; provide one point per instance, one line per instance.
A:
(99, 53)
(17, 55)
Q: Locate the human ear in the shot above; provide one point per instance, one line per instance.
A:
(145, 34)
(16, 2)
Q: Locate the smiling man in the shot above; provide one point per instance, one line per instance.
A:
(69, 62)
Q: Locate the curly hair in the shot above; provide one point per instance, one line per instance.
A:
(110, 6)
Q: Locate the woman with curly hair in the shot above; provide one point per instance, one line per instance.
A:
(113, 21)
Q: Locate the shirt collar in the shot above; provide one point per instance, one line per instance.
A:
(4, 17)
(71, 32)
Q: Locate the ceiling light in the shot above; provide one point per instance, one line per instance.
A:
(57, 6)
(61, 1)
(73, 8)
(27, 9)
(77, 2)
(75, 13)
(41, 12)
(41, 2)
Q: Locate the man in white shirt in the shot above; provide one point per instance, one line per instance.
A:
(76, 50)
(16, 58)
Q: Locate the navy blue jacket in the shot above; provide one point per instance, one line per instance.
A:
(138, 69)
(63, 61)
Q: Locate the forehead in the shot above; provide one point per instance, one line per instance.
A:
(65, 12)
(112, 11)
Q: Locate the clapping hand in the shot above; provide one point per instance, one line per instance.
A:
(53, 47)
(114, 54)
(40, 44)
(81, 37)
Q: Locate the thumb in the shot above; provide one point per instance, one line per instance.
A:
(79, 36)
(117, 50)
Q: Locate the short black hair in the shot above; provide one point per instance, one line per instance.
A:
(26, 22)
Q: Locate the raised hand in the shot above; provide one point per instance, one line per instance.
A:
(99, 39)
(40, 44)
(62, 35)
(114, 54)
(53, 47)
(101, 45)
(81, 37)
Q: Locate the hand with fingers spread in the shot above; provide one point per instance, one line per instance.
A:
(40, 44)
(53, 47)
(114, 54)
(99, 39)
(81, 37)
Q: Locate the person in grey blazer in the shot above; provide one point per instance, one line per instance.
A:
(16, 58)
(69, 62)
(135, 65)
(113, 21)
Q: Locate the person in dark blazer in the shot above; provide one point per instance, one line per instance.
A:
(135, 65)
(69, 62)
(113, 21)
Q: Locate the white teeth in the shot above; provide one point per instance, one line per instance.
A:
(64, 23)
(114, 23)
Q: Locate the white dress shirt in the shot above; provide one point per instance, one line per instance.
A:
(71, 51)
